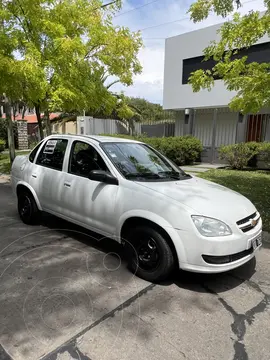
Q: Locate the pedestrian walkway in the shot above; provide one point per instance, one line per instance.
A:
(199, 168)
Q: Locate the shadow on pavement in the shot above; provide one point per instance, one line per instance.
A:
(187, 280)
(218, 283)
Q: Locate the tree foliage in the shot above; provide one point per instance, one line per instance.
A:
(250, 80)
(135, 108)
(57, 54)
(148, 111)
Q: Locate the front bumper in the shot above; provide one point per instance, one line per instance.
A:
(201, 253)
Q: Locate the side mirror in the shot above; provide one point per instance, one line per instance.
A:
(103, 176)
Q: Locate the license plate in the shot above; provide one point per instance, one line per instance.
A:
(257, 242)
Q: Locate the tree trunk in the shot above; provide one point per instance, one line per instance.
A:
(23, 112)
(11, 142)
(41, 132)
(47, 122)
(14, 112)
(130, 127)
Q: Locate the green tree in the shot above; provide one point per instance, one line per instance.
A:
(250, 80)
(56, 54)
(148, 111)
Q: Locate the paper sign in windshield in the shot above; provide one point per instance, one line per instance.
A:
(50, 146)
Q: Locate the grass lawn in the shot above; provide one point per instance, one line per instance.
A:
(255, 185)
(5, 164)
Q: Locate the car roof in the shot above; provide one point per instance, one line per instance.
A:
(97, 138)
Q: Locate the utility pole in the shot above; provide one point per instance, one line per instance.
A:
(11, 142)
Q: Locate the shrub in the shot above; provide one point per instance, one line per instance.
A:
(265, 153)
(255, 147)
(183, 150)
(2, 145)
(238, 155)
(32, 143)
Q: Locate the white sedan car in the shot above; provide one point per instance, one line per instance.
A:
(128, 191)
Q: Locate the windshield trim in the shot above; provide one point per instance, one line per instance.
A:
(184, 176)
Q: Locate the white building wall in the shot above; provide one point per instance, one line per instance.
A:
(179, 124)
(226, 128)
(203, 128)
(226, 125)
(267, 130)
(189, 45)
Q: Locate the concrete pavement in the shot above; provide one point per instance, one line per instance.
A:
(66, 294)
(199, 168)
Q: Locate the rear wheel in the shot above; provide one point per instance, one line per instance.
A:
(27, 208)
(149, 254)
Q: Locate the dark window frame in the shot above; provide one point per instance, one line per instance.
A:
(256, 53)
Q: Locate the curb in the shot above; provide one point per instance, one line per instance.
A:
(4, 178)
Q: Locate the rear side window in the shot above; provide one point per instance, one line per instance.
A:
(52, 154)
(33, 153)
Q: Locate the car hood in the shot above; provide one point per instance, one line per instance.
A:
(206, 198)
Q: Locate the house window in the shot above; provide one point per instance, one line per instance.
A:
(257, 53)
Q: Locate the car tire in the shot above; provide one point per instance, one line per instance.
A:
(142, 242)
(27, 208)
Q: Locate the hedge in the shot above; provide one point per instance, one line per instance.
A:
(2, 145)
(241, 155)
(183, 150)
(264, 154)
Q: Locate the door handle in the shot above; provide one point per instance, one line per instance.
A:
(34, 176)
(66, 184)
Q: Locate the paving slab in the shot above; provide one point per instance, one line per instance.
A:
(54, 290)
(193, 169)
(163, 325)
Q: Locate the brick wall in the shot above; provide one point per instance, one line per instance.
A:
(22, 134)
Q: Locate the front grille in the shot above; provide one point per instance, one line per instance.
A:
(245, 224)
(246, 219)
(247, 228)
(218, 260)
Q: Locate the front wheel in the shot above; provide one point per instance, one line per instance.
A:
(27, 208)
(149, 254)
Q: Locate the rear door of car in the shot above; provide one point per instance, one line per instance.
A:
(46, 175)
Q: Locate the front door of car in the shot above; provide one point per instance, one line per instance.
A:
(89, 202)
(46, 174)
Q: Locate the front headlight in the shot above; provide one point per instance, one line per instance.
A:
(211, 227)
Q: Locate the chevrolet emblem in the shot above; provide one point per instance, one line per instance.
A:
(254, 222)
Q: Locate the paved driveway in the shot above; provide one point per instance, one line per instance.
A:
(66, 294)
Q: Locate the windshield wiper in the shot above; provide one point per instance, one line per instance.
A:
(142, 175)
(174, 174)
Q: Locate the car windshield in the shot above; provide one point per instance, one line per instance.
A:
(139, 162)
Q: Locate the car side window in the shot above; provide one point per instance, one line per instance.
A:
(84, 158)
(33, 153)
(52, 154)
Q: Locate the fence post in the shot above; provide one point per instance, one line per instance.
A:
(214, 131)
(193, 122)
(189, 120)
